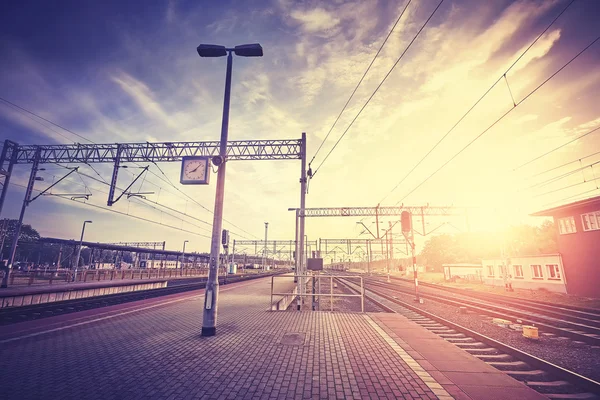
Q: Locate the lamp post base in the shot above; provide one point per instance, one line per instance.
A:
(209, 331)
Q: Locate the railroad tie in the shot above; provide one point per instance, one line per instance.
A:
(493, 357)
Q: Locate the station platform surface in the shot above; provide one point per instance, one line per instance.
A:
(153, 349)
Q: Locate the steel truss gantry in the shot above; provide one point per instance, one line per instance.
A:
(150, 245)
(379, 211)
(364, 246)
(278, 247)
(120, 153)
(286, 149)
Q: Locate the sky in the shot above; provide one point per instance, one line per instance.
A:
(115, 71)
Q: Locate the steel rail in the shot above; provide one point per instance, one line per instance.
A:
(513, 315)
(553, 369)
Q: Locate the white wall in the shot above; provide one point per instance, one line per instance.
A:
(527, 281)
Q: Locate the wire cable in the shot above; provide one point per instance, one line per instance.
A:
(91, 141)
(563, 165)
(501, 118)
(115, 211)
(378, 87)
(557, 178)
(360, 81)
(503, 76)
(497, 121)
(559, 147)
(140, 198)
(44, 119)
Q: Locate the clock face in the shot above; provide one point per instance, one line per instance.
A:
(194, 170)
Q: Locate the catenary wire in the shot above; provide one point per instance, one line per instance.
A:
(118, 212)
(477, 102)
(563, 165)
(91, 141)
(501, 118)
(557, 148)
(378, 87)
(359, 82)
(497, 121)
(559, 177)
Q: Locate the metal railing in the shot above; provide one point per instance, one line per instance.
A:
(319, 294)
(30, 278)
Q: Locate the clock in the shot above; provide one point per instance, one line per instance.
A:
(195, 170)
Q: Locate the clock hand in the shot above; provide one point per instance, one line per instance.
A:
(194, 170)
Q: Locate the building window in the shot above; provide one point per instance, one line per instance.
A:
(490, 269)
(536, 272)
(518, 271)
(566, 225)
(591, 221)
(553, 271)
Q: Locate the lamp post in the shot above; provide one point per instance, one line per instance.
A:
(209, 319)
(182, 257)
(79, 249)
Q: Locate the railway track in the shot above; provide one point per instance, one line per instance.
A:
(544, 377)
(583, 330)
(13, 315)
(571, 313)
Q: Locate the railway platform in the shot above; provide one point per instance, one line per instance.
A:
(153, 349)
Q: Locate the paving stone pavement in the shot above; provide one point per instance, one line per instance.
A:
(158, 353)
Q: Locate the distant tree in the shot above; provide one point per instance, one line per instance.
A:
(472, 247)
(8, 229)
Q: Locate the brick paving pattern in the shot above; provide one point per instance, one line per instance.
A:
(158, 353)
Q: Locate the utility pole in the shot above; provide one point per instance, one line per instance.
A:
(303, 182)
(387, 252)
(26, 201)
(182, 258)
(265, 249)
(79, 248)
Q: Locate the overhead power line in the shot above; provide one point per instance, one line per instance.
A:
(561, 201)
(118, 212)
(360, 81)
(565, 164)
(500, 78)
(24, 110)
(141, 199)
(559, 147)
(500, 118)
(562, 176)
(378, 87)
(44, 119)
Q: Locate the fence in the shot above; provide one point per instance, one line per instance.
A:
(18, 278)
(318, 278)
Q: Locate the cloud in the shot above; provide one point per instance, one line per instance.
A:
(143, 97)
(316, 20)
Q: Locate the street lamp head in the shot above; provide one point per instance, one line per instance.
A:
(89, 222)
(211, 50)
(249, 50)
(186, 241)
(243, 50)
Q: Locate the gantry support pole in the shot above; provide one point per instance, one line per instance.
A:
(9, 154)
(26, 200)
(302, 219)
(113, 181)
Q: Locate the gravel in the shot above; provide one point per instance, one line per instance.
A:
(575, 356)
